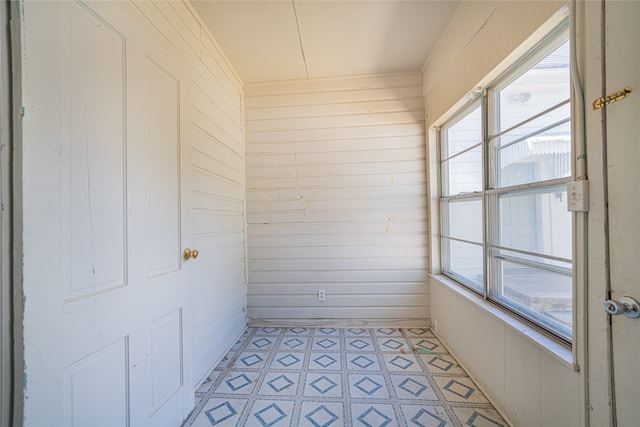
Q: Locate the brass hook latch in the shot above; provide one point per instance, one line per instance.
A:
(614, 97)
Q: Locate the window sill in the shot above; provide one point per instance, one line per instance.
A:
(558, 351)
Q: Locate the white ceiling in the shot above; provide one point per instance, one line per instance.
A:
(299, 39)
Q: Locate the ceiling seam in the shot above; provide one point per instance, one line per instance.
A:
(304, 57)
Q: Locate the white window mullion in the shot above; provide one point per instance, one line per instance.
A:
(486, 182)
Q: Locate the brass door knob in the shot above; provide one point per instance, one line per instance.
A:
(191, 253)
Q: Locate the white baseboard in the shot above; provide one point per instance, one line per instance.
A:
(340, 323)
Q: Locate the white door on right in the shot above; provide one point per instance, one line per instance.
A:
(623, 152)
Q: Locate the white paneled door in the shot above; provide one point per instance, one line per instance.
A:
(107, 339)
(623, 152)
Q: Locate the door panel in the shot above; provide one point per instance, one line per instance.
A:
(94, 152)
(166, 358)
(623, 152)
(105, 207)
(163, 128)
(106, 405)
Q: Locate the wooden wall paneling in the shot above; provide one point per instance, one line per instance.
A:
(336, 198)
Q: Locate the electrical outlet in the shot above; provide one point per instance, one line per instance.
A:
(321, 295)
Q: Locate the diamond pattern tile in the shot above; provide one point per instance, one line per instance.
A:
(359, 344)
(428, 345)
(443, 364)
(268, 413)
(325, 361)
(238, 382)
(321, 414)
(479, 417)
(261, 343)
(333, 377)
(250, 360)
(294, 343)
(401, 363)
(426, 416)
(390, 344)
(287, 361)
(373, 415)
(459, 389)
(323, 385)
(280, 384)
(221, 412)
(368, 386)
(326, 344)
(363, 362)
(440, 363)
(414, 387)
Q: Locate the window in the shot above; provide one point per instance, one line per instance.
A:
(505, 160)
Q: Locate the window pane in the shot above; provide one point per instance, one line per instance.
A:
(543, 293)
(463, 262)
(535, 90)
(463, 134)
(463, 219)
(535, 221)
(463, 173)
(542, 157)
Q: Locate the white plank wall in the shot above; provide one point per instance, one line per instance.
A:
(218, 282)
(528, 383)
(336, 198)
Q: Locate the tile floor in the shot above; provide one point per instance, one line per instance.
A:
(325, 377)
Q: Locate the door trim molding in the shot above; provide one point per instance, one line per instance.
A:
(11, 216)
(6, 307)
(6, 360)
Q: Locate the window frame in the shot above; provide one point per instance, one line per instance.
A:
(487, 100)
(444, 200)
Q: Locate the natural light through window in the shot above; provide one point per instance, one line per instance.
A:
(505, 160)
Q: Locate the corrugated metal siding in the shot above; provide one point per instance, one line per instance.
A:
(218, 282)
(336, 198)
